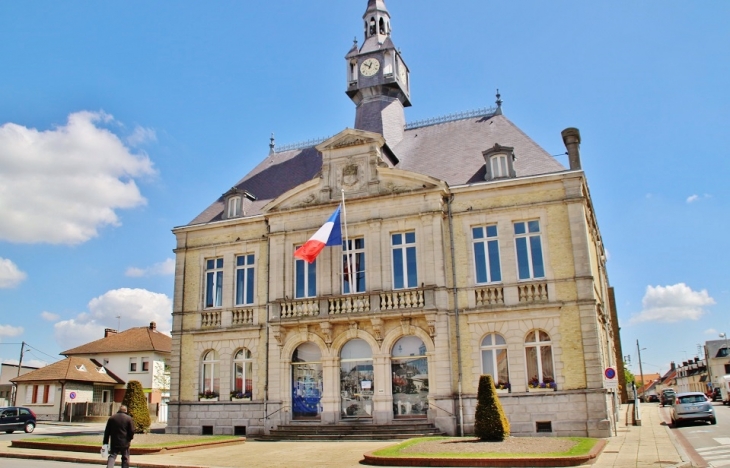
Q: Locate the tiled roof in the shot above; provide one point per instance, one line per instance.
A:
(128, 341)
(69, 369)
(450, 151)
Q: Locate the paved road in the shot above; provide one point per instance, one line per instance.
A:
(47, 430)
(712, 443)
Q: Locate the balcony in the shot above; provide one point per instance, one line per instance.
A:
(214, 319)
(346, 305)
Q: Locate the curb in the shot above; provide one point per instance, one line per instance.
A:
(371, 459)
(71, 459)
(29, 444)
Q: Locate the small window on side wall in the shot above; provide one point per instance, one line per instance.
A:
(499, 162)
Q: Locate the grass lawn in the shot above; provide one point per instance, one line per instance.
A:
(158, 441)
(528, 447)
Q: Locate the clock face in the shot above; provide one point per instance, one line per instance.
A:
(370, 67)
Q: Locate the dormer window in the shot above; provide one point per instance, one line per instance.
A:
(234, 207)
(499, 162)
(81, 368)
(235, 201)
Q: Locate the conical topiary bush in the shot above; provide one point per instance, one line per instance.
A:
(136, 404)
(490, 423)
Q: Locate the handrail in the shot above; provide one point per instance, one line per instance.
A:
(446, 411)
(267, 416)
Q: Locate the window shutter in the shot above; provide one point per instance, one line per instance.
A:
(28, 394)
(51, 393)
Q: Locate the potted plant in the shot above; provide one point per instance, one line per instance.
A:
(503, 387)
(548, 384)
(240, 396)
(208, 395)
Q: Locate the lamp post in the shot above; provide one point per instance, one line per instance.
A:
(641, 369)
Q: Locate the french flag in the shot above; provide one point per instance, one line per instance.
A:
(329, 234)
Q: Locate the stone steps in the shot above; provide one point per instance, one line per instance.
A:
(351, 431)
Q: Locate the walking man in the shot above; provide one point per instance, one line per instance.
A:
(118, 434)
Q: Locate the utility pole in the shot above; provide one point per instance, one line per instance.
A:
(20, 365)
(641, 369)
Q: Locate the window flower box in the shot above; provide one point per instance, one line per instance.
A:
(503, 387)
(240, 396)
(208, 396)
(548, 385)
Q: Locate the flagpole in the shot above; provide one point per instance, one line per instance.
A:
(347, 244)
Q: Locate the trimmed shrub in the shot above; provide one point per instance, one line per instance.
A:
(136, 404)
(490, 423)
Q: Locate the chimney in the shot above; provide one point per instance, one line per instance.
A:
(109, 331)
(571, 138)
(672, 366)
(153, 326)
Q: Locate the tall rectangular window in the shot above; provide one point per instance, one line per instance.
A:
(405, 268)
(305, 278)
(499, 166)
(132, 364)
(35, 394)
(46, 391)
(244, 279)
(145, 364)
(356, 251)
(529, 250)
(214, 282)
(486, 254)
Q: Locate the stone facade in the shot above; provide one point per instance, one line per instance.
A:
(556, 321)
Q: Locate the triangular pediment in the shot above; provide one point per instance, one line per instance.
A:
(351, 137)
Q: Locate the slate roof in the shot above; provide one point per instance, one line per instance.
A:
(714, 347)
(450, 151)
(128, 341)
(69, 370)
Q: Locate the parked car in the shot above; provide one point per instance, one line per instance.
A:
(653, 398)
(17, 418)
(692, 406)
(668, 396)
(716, 394)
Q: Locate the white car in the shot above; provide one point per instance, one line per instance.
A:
(692, 406)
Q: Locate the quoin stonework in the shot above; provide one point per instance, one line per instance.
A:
(471, 251)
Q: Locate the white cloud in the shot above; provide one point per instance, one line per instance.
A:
(141, 135)
(10, 331)
(672, 304)
(692, 198)
(135, 307)
(60, 186)
(165, 268)
(49, 316)
(10, 274)
(711, 331)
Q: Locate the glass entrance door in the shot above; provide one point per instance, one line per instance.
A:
(306, 375)
(409, 371)
(356, 380)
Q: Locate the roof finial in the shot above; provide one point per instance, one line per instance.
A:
(499, 103)
(272, 144)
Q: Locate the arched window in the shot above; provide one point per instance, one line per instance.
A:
(382, 26)
(307, 386)
(539, 359)
(494, 359)
(242, 386)
(210, 375)
(409, 373)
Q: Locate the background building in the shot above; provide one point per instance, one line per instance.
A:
(469, 250)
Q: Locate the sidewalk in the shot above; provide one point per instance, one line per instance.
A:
(650, 445)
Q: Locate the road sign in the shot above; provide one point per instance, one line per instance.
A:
(72, 395)
(610, 378)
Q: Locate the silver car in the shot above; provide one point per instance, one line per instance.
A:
(692, 406)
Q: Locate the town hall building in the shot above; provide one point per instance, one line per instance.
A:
(466, 250)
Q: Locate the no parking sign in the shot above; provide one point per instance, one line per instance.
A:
(610, 378)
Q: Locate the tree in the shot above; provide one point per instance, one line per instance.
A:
(490, 422)
(136, 404)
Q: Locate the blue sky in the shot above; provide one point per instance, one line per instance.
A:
(121, 120)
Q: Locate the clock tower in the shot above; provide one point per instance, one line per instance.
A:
(378, 81)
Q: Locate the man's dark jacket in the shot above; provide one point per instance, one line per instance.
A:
(120, 429)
